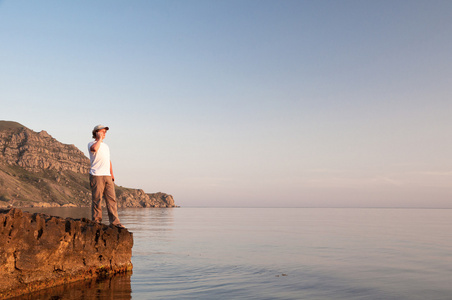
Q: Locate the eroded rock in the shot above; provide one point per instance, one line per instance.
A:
(39, 251)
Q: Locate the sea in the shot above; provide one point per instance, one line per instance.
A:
(276, 253)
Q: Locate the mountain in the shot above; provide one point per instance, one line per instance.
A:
(37, 170)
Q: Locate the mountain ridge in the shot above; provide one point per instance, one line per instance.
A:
(36, 170)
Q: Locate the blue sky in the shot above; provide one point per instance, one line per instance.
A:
(244, 103)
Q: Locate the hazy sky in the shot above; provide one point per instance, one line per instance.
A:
(244, 103)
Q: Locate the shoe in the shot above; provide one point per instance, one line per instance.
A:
(120, 226)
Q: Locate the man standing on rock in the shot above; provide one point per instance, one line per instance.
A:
(101, 177)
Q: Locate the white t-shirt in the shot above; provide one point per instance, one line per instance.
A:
(100, 160)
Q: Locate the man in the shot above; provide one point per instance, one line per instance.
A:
(101, 178)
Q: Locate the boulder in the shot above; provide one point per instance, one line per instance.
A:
(40, 251)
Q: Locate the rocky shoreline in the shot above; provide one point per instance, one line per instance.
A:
(41, 251)
(126, 198)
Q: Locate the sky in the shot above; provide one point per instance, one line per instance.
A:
(244, 103)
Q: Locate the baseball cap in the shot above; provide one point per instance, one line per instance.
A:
(99, 127)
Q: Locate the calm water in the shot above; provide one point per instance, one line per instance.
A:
(278, 253)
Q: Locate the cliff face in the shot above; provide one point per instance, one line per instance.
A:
(40, 251)
(138, 198)
(37, 170)
(35, 152)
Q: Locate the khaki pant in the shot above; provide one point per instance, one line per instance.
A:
(103, 186)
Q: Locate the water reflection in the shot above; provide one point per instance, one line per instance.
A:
(149, 222)
(117, 287)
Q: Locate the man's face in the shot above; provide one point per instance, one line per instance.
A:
(102, 133)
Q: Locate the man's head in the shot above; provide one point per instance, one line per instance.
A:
(101, 129)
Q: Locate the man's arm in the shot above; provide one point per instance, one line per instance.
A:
(111, 172)
(96, 145)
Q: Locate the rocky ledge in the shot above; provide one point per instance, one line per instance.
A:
(40, 251)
